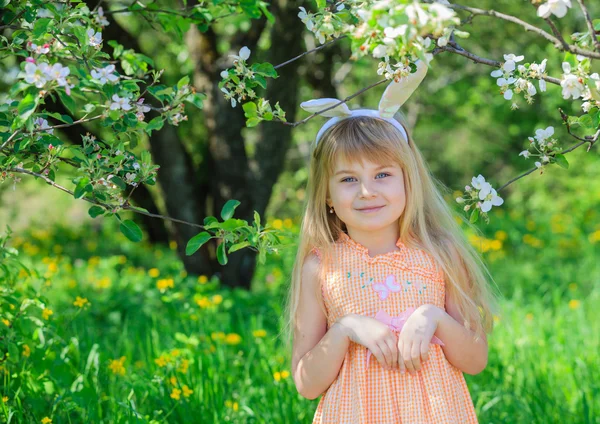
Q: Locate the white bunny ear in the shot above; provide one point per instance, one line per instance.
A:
(397, 93)
(317, 105)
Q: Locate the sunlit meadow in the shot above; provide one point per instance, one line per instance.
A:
(120, 333)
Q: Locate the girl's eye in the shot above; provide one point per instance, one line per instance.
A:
(381, 173)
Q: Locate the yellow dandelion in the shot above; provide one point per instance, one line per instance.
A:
(501, 235)
(183, 367)
(6, 322)
(164, 284)
(187, 391)
(26, 351)
(93, 261)
(104, 283)
(172, 245)
(287, 223)
(285, 374)
(176, 394)
(12, 306)
(46, 420)
(23, 274)
(80, 301)
(277, 376)
(259, 333)
(116, 366)
(203, 279)
(235, 406)
(154, 272)
(175, 352)
(233, 339)
(46, 313)
(173, 381)
(203, 302)
(278, 224)
(4, 399)
(163, 360)
(574, 304)
(217, 299)
(52, 267)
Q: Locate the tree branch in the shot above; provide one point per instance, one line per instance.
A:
(528, 27)
(590, 25)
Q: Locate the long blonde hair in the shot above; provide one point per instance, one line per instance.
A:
(427, 223)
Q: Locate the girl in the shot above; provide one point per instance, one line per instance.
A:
(389, 303)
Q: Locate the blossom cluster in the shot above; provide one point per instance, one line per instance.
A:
(576, 82)
(513, 78)
(480, 195)
(542, 146)
(236, 78)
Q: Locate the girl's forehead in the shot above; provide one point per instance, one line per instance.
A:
(341, 162)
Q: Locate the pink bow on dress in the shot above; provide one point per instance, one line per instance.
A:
(396, 324)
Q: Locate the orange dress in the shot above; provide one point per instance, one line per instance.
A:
(388, 284)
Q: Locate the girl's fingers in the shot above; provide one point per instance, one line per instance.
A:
(424, 350)
(406, 353)
(391, 342)
(400, 357)
(387, 353)
(415, 355)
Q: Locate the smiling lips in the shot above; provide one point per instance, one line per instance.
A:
(371, 209)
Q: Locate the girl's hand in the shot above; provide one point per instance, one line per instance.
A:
(415, 337)
(375, 336)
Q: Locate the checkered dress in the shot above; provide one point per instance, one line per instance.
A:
(393, 282)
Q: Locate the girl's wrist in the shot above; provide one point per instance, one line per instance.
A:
(432, 312)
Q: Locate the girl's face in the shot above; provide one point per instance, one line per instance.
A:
(355, 187)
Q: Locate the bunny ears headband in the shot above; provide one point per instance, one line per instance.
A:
(393, 97)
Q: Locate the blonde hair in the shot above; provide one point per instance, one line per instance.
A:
(427, 222)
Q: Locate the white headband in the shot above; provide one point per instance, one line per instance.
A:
(393, 97)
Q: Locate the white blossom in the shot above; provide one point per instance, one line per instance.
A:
(43, 49)
(571, 86)
(555, 7)
(58, 73)
(542, 135)
(104, 75)
(229, 96)
(37, 74)
(524, 153)
(306, 18)
(120, 103)
(490, 197)
(100, 19)
(95, 38)
(43, 124)
(244, 54)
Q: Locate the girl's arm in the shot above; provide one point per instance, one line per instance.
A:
(460, 347)
(318, 353)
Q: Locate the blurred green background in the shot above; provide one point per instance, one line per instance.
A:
(128, 335)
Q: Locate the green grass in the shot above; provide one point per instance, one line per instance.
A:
(543, 364)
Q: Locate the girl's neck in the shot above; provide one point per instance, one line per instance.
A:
(377, 242)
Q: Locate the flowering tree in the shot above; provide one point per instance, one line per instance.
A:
(58, 48)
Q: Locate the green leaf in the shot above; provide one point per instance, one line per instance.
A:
(221, 254)
(95, 211)
(265, 69)
(183, 81)
(155, 124)
(252, 122)
(67, 101)
(196, 99)
(118, 182)
(233, 224)
(131, 230)
(321, 4)
(196, 242)
(228, 208)
(210, 220)
(82, 186)
(239, 246)
(249, 109)
(27, 106)
(561, 161)
(41, 27)
(257, 220)
(474, 216)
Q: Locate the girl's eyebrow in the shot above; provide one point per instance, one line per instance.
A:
(344, 171)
